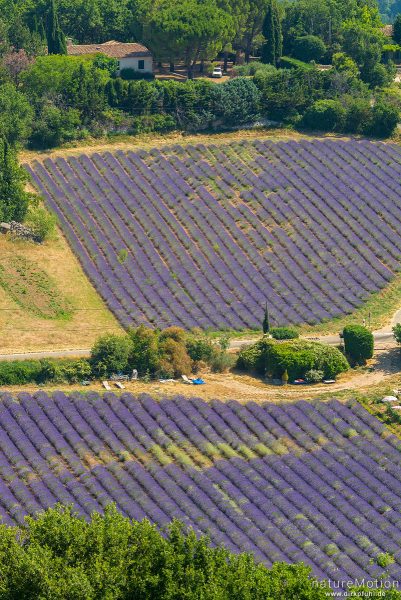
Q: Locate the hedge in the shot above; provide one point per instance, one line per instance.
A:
(297, 357)
(19, 372)
(284, 333)
(287, 62)
(358, 343)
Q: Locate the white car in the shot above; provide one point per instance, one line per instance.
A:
(217, 72)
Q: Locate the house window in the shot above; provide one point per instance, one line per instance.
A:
(141, 64)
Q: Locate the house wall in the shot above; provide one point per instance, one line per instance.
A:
(132, 63)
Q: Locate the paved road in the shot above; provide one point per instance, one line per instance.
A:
(333, 340)
(381, 337)
(83, 353)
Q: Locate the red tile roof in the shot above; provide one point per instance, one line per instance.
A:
(112, 49)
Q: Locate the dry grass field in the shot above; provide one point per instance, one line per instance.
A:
(23, 328)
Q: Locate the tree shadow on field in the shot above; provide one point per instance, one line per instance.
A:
(388, 361)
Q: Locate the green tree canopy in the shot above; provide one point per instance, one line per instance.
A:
(16, 114)
(189, 30)
(14, 199)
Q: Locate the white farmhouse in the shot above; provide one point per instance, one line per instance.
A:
(129, 55)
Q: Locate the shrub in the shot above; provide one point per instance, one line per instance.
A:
(20, 372)
(175, 333)
(236, 102)
(221, 362)
(358, 343)
(200, 349)
(41, 222)
(65, 371)
(174, 360)
(309, 47)
(110, 354)
(325, 115)
(297, 357)
(55, 126)
(252, 357)
(359, 113)
(284, 333)
(314, 376)
(152, 123)
(44, 371)
(251, 68)
(144, 353)
(397, 332)
(385, 559)
(384, 120)
(131, 74)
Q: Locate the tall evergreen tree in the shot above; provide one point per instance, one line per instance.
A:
(273, 47)
(266, 321)
(56, 43)
(397, 30)
(13, 198)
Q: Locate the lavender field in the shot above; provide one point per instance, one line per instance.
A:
(202, 236)
(319, 483)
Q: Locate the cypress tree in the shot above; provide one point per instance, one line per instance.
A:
(56, 43)
(397, 29)
(266, 321)
(273, 47)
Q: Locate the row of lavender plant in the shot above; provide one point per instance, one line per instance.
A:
(202, 235)
(319, 483)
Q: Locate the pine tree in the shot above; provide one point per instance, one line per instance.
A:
(13, 198)
(56, 43)
(273, 47)
(266, 321)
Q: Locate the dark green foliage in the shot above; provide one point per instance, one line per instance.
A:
(384, 120)
(200, 349)
(266, 321)
(273, 357)
(105, 63)
(359, 114)
(58, 555)
(272, 49)
(284, 333)
(144, 355)
(288, 92)
(397, 332)
(44, 371)
(358, 343)
(20, 372)
(131, 74)
(397, 29)
(56, 43)
(65, 371)
(110, 355)
(55, 126)
(14, 199)
(325, 115)
(15, 114)
(236, 101)
(309, 47)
